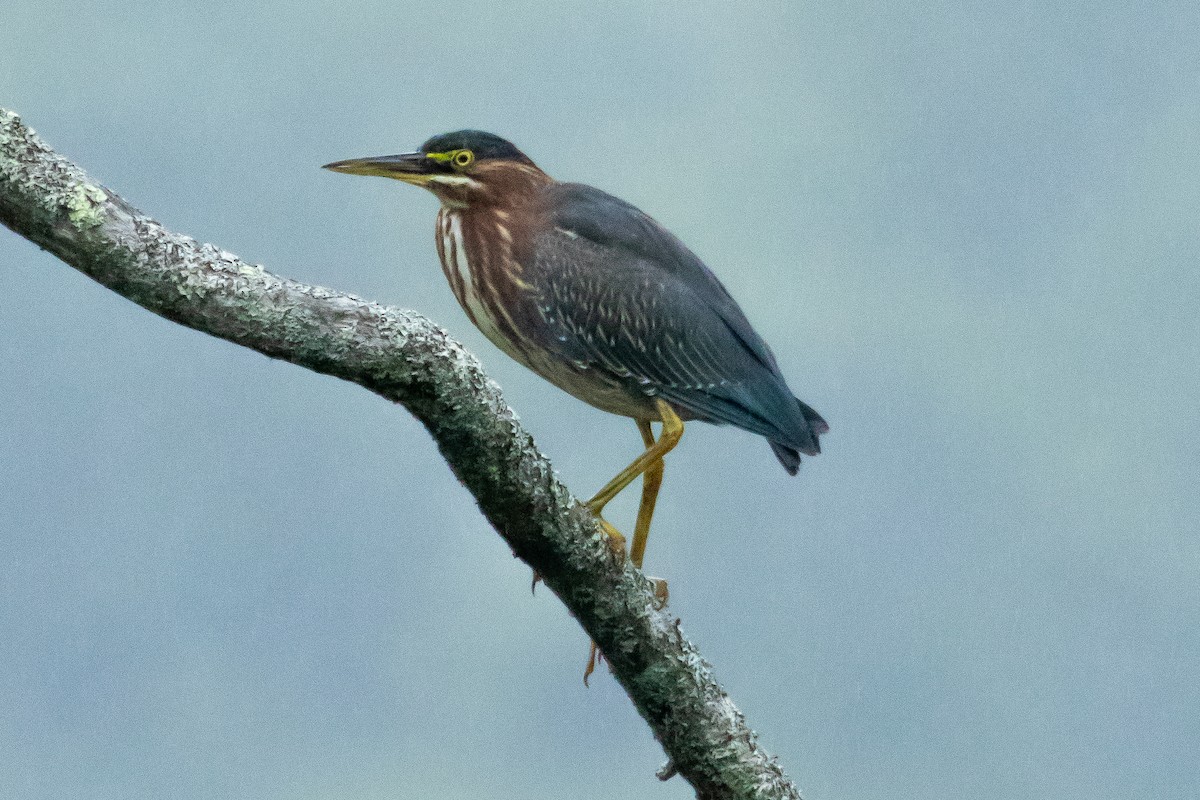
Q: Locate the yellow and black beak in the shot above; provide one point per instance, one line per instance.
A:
(415, 168)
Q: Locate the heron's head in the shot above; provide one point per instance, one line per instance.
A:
(462, 168)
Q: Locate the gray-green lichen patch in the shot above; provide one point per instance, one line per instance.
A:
(11, 141)
(9, 121)
(192, 285)
(85, 206)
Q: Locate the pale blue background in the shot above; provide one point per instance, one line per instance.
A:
(970, 232)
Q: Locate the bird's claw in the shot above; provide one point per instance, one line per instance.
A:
(661, 592)
(613, 538)
(594, 658)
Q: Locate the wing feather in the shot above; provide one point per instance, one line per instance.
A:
(618, 292)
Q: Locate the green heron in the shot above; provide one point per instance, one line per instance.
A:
(602, 301)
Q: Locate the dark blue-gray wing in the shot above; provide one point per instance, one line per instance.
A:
(620, 293)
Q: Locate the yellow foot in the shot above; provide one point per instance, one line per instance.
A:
(661, 592)
(616, 540)
(594, 658)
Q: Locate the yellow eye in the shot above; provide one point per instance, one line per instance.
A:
(462, 159)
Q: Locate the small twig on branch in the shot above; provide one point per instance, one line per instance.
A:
(404, 357)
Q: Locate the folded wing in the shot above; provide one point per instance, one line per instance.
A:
(620, 293)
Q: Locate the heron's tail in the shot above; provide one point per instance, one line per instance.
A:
(788, 455)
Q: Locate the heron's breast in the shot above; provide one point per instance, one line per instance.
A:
(486, 282)
(486, 279)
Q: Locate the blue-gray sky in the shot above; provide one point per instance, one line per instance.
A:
(969, 232)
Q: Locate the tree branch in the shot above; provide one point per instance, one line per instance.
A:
(402, 356)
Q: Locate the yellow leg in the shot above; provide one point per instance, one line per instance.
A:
(650, 466)
(671, 433)
(651, 481)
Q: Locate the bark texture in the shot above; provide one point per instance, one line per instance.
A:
(407, 359)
